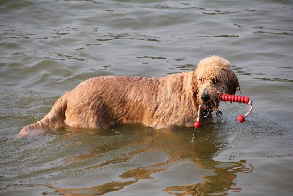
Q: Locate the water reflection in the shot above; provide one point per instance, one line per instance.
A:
(168, 148)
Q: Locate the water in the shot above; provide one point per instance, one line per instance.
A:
(47, 47)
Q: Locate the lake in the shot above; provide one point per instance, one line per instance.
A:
(47, 47)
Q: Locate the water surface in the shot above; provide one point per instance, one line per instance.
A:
(47, 47)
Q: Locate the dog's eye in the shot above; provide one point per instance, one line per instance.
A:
(215, 81)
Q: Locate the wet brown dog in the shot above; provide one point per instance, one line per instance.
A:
(173, 100)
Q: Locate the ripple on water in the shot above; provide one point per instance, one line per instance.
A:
(6, 5)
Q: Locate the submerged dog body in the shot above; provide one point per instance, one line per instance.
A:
(173, 100)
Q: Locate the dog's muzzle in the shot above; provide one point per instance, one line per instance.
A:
(209, 102)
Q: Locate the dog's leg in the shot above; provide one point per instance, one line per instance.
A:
(90, 114)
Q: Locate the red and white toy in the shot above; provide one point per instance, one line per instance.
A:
(231, 98)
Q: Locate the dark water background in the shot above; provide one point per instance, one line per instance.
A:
(49, 46)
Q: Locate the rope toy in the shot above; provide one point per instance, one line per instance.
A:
(231, 98)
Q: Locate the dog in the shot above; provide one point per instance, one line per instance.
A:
(163, 102)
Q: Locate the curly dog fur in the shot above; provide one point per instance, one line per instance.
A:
(173, 100)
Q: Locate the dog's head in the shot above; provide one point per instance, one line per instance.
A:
(213, 75)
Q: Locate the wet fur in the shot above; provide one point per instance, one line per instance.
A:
(173, 100)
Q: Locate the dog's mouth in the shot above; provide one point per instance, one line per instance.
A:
(208, 108)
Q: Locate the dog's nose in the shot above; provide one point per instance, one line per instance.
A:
(205, 96)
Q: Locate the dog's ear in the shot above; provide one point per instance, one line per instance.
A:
(232, 82)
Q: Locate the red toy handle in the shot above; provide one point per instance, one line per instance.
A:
(234, 98)
(240, 99)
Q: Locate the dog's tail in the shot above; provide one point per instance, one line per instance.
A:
(54, 119)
